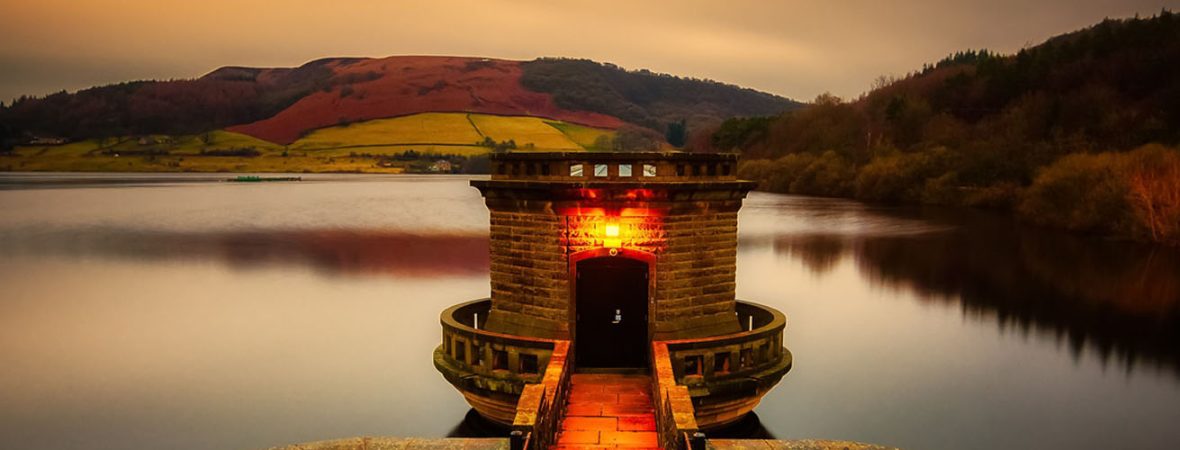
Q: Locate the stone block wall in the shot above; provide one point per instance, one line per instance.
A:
(684, 214)
(695, 274)
(530, 274)
(695, 252)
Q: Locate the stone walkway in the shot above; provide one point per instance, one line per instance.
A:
(608, 411)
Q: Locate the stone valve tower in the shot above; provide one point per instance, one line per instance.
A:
(614, 262)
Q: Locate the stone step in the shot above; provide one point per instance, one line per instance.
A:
(608, 411)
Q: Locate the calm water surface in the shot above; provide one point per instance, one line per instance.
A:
(168, 311)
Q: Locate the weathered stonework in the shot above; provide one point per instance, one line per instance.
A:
(540, 216)
(671, 220)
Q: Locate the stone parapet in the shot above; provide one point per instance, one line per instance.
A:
(583, 166)
(541, 406)
(727, 375)
(675, 416)
(491, 369)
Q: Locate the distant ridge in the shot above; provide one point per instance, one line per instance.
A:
(282, 104)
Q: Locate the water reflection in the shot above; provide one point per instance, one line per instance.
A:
(474, 425)
(748, 427)
(335, 252)
(222, 315)
(231, 316)
(1119, 299)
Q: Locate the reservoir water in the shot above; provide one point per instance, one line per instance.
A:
(172, 311)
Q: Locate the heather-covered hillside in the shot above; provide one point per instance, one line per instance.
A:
(281, 105)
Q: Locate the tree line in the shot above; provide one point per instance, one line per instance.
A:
(227, 96)
(664, 103)
(1080, 132)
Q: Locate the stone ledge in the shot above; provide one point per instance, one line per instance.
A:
(803, 444)
(392, 443)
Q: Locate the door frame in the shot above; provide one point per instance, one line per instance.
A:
(636, 255)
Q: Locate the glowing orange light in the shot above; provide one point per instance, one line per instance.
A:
(612, 240)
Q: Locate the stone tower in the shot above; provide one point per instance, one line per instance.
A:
(607, 254)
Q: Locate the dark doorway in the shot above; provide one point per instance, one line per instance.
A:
(611, 308)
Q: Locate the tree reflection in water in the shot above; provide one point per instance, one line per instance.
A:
(1120, 299)
(338, 252)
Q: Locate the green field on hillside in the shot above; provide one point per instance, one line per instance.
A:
(529, 133)
(586, 137)
(426, 128)
(451, 133)
(371, 146)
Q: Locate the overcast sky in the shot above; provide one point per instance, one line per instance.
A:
(797, 49)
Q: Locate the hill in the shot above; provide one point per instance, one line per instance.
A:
(645, 98)
(414, 143)
(1078, 132)
(281, 105)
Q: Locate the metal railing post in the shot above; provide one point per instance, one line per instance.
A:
(516, 440)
